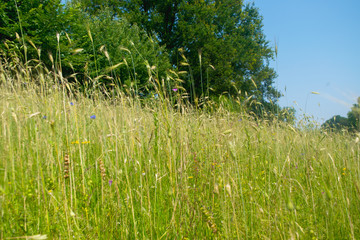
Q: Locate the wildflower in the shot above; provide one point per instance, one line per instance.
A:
(143, 173)
(92, 116)
(85, 142)
(110, 182)
(44, 117)
(75, 142)
(175, 89)
(71, 103)
(156, 96)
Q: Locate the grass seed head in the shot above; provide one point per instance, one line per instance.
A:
(102, 169)
(66, 166)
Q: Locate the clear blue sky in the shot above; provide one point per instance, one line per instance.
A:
(318, 50)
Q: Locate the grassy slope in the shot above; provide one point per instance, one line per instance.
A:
(150, 172)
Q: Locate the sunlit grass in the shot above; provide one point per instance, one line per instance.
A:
(91, 168)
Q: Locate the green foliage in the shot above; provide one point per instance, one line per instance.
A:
(337, 123)
(95, 7)
(354, 115)
(222, 45)
(112, 48)
(33, 25)
(68, 40)
(351, 123)
(229, 37)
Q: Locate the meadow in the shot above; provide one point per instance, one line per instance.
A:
(99, 167)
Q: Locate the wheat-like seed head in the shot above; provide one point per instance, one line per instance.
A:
(66, 166)
(102, 169)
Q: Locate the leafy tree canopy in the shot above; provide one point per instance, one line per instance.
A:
(33, 23)
(90, 46)
(352, 122)
(354, 115)
(219, 45)
(222, 43)
(336, 123)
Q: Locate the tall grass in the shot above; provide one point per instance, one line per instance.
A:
(89, 168)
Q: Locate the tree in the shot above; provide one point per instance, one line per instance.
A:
(352, 122)
(354, 115)
(337, 123)
(66, 38)
(34, 25)
(113, 48)
(96, 7)
(222, 44)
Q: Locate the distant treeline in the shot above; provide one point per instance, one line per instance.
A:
(350, 123)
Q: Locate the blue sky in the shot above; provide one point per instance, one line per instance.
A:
(318, 51)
